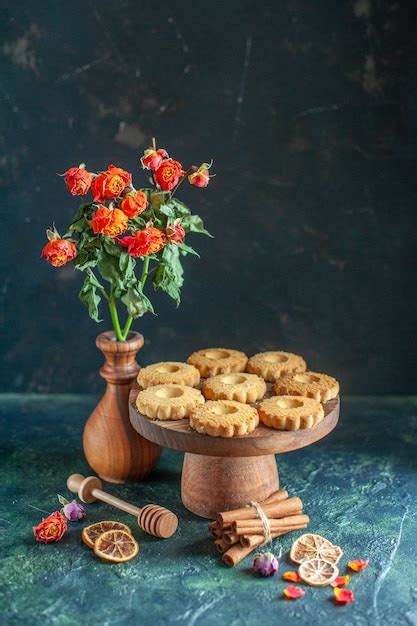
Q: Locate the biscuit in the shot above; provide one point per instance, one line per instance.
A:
(289, 413)
(169, 372)
(168, 402)
(241, 387)
(272, 365)
(224, 418)
(320, 387)
(214, 361)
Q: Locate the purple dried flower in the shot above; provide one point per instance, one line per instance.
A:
(74, 511)
(265, 564)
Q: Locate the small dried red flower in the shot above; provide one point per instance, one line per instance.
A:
(293, 577)
(175, 233)
(51, 528)
(168, 174)
(78, 180)
(292, 592)
(147, 241)
(110, 222)
(357, 565)
(110, 184)
(134, 204)
(59, 252)
(343, 596)
(340, 581)
(201, 177)
(152, 158)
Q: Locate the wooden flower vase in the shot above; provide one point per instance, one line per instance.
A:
(113, 449)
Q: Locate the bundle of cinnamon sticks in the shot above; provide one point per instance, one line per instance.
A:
(237, 533)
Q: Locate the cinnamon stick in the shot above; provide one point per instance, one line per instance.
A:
(248, 527)
(230, 538)
(221, 545)
(253, 540)
(235, 554)
(281, 496)
(274, 511)
(214, 529)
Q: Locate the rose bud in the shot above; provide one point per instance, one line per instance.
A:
(110, 184)
(74, 511)
(134, 204)
(78, 180)
(51, 528)
(59, 252)
(265, 564)
(152, 159)
(201, 177)
(168, 174)
(175, 233)
(147, 241)
(110, 222)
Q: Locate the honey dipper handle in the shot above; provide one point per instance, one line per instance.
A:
(117, 502)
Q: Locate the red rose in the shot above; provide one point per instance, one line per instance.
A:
(110, 222)
(175, 233)
(147, 241)
(133, 205)
(52, 528)
(152, 159)
(59, 251)
(168, 174)
(201, 177)
(110, 184)
(78, 180)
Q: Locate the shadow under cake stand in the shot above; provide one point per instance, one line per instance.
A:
(220, 474)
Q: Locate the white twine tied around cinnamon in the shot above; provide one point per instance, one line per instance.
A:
(266, 526)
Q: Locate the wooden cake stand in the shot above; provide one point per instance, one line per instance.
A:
(220, 474)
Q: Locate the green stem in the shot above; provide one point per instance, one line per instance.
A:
(127, 327)
(144, 274)
(115, 318)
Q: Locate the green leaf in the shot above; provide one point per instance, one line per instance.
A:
(137, 304)
(89, 296)
(184, 249)
(194, 224)
(62, 500)
(181, 209)
(167, 210)
(169, 275)
(126, 263)
(80, 221)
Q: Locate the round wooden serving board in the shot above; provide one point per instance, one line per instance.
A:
(263, 440)
(221, 474)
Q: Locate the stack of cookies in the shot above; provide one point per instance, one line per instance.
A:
(236, 392)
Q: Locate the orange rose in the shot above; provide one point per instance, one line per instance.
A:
(168, 174)
(147, 241)
(52, 528)
(110, 222)
(59, 251)
(110, 184)
(135, 204)
(78, 180)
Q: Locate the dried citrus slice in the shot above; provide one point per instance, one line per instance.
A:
(311, 546)
(318, 572)
(90, 533)
(116, 546)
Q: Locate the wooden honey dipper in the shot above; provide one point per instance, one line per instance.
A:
(153, 519)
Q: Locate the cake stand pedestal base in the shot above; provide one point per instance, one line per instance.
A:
(210, 484)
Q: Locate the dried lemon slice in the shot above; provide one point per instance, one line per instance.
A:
(318, 572)
(311, 546)
(90, 533)
(116, 546)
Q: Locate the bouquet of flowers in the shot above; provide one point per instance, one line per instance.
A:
(122, 225)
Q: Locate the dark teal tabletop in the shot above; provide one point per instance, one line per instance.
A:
(359, 487)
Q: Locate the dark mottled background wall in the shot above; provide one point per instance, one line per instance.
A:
(309, 110)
